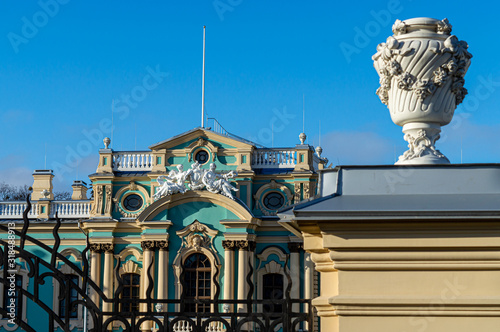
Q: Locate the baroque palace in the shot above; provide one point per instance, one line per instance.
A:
(410, 247)
(203, 201)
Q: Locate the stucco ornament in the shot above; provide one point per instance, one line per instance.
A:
(172, 183)
(421, 69)
(198, 179)
(195, 177)
(219, 183)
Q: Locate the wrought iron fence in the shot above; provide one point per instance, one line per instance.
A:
(248, 315)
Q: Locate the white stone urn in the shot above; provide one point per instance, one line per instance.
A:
(421, 69)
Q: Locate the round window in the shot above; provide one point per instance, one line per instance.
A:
(132, 202)
(274, 200)
(201, 157)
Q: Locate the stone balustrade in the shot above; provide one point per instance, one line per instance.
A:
(14, 210)
(125, 161)
(274, 158)
(71, 209)
(65, 209)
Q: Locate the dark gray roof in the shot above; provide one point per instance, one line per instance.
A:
(443, 191)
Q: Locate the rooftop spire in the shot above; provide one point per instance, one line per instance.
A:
(203, 84)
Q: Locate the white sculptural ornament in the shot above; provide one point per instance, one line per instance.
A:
(219, 183)
(171, 184)
(195, 176)
(422, 69)
(198, 179)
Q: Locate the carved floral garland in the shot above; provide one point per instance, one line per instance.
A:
(453, 69)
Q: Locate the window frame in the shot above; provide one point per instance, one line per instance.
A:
(4, 321)
(197, 272)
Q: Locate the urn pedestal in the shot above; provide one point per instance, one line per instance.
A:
(421, 69)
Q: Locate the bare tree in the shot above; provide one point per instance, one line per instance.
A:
(13, 193)
(62, 195)
(10, 192)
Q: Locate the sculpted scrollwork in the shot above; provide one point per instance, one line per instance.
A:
(95, 247)
(148, 245)
(229, 245)
(172, 183)
(197, 236)
(246, 245)
(198, 179)
(390, 53)
(421, 69)
(107, 247)
(421, 143)
(219, 183)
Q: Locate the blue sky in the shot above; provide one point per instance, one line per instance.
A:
(64, 62)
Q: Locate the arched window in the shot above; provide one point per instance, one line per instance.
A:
(197, 283)
(272, 289)
(73, 296)
(131, 286)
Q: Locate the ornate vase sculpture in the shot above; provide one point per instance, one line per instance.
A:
(421, 71)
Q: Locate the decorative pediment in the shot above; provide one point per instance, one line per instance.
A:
(130, 267)
(194, 134)
(273, 267)
(197, 236)
(201, 142)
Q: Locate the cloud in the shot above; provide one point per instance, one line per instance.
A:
(17, 176)
(461, 140)
(469, 141)
(357, 148)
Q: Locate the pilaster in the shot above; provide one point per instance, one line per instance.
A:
(229, 282)
(105, 161)
(148, 248)
(163, 254)
(159, 160)
(107, 281)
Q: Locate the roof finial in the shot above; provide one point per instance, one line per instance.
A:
(302, 138)
(106, 142)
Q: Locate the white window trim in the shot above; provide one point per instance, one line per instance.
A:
(271, 267)
(127, 266)
(196, 238)
(25, 282)
(73, 322)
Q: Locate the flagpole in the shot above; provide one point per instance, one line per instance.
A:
(203, 84)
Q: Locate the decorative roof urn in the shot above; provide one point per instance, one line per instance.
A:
(421, 71)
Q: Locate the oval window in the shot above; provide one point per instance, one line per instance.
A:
(132, 202)
(274, 200)
(201, 157)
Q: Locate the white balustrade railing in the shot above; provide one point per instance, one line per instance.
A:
(70, 209)
(185, 326)
(14, 210)
(274, 158)
(65, 209)
(132, 161)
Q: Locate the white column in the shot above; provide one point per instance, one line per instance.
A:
(95, 274)
(242, 273)
(295, 273)
(107, 281)
(229, 247)
(163, 272)
(308, 281)
(147, 258)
